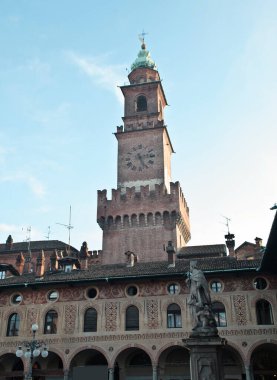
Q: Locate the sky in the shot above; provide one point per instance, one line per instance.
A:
(61, 63)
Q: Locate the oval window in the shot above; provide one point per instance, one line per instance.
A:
(53, 295)
(216, 286)
(260, 283)
(173, 288)
(132, 290)
(92, 293)
(16, 299)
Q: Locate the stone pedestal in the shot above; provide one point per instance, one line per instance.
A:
(205, 357)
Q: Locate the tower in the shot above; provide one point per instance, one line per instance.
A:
(146, 210)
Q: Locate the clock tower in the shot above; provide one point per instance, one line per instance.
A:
(147, 209)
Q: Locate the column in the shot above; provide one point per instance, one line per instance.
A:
(155, 372)
(111, 373)
(248, 372)
(65, 374)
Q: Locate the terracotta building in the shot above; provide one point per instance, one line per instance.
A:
(121, 313)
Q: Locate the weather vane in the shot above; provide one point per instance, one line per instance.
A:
(142, 35)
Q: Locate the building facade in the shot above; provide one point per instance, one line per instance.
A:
(121, 313)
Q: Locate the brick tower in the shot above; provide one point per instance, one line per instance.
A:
(147, 209)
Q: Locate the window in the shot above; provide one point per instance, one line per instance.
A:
(16, 299)
(2, 274)
(174, 316)
(260, 283)
(141, 103)
(51, 320)
(132, 318)
(90, 320)
(132, 290)
(264, 313)
(220, 314)
(13, 325)
(53, 296)
(92, 293)
(216, 286)
(68, 268)
(173, 288)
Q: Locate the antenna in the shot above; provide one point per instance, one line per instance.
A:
(227, 223)
(28, 238)
(48, 233)
(69, 227)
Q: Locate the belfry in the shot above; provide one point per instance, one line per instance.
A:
(146, 210)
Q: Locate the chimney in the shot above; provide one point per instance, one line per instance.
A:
(20, 261)
(259, 242)
(9, 242)
(83, 255)
(171, 254)
(40, 264)
(230, 242)
(54, 261)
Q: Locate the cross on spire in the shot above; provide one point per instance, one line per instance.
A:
(141, 38)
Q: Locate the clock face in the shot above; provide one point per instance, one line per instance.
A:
(139, 158)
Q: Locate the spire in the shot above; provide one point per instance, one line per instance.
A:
(143, 59)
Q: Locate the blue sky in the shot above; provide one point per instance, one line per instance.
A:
(60, 65)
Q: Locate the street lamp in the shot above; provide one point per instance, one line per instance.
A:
(33, 349)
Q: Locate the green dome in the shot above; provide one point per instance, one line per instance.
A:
(144, 60)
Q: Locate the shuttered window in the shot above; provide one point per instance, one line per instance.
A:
(90, 320)
(132, 318)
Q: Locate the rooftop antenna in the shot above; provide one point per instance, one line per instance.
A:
(48, 233)
(69, 227)
(228, 220)
(28, 238)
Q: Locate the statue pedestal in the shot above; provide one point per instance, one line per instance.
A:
(205, 356)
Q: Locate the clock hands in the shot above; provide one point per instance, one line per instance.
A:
(140, 158)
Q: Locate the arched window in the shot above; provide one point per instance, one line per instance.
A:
(90, 320)
(132, 318)
(50, 324)
(264, 313)
(174, 316)
(141, 103)
(13, 325)
(220, 314)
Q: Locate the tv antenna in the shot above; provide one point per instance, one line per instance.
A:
(28, 238)
(48, 233)
(69, 227)
(227, 223)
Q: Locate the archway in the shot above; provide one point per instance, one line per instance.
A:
(11, 367)
(133, 364)
(233, 364)
(263, 362)
(88, 364)
(174, 364)
(50, 368)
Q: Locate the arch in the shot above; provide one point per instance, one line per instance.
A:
(132, 318)
(89, 361)
(158, 218)
(232, 362)
(264, 312)
(174, 316)
(126, 221)
(118, 221)
(52, 364)
(141, 220)
(51, 322)
(134, 220)
(11, 366)
(173, 216)
(174, 361)
(141, 103)
(90, 320)
(263, 361)
(13, 325)
(150, 219)
(219, 312)
(166, 217)
(110, 221)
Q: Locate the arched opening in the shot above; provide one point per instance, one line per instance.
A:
(264, 363)
(11, 367)
(13, 325)
(220, 314)
(50, 324)
(133, 363)
(110, 221)
(141, 220)
(89, 364)
(264, 313)
(132, 318)
(134, 220)
(118, 221)
(90, 320)
(126, 220)
(48, 368)
(158, 218)
(232, 363)
(150, 219)
(141, 103)
(174, 316)
(174, 363)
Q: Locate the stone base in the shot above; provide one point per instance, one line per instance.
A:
(205, 356)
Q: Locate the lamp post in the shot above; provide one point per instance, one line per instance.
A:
(32, 349)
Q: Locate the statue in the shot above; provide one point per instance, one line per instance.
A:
(200, 301)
